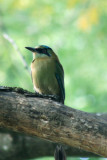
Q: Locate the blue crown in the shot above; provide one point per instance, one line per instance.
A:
(45, 46)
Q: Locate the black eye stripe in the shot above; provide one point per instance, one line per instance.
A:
(43, 51)
(39, 50)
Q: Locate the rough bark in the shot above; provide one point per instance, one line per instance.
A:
(52, 121)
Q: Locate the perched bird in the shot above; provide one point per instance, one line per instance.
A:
(59, 153)
(47, 72)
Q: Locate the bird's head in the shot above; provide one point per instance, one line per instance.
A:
(41, 51)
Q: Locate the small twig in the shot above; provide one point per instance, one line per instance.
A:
(7, 37)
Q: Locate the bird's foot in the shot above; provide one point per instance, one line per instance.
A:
(52, 97)
(36, 94)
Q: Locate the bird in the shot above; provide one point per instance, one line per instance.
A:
(59, 153)
(47, 72)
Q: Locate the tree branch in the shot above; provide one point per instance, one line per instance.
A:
(52, 121)
(6, 36)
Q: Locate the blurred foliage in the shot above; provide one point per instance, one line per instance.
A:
(75, 29)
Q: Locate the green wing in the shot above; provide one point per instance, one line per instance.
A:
(60, 78)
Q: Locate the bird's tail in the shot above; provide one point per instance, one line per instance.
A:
(59, 153)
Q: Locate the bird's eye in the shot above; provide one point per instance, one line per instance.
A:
(44, 51)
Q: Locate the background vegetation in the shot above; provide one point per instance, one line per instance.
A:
(77, 32)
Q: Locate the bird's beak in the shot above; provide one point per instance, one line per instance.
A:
(31, 49)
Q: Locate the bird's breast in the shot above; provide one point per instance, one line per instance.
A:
(43, 76)
(42, 67)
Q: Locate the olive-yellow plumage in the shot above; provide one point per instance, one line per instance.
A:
(47, 72)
